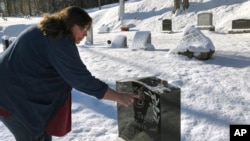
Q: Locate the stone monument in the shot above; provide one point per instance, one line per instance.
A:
(155, 116)
(119, 41)
(205, 21)
(167, 25)
(142, 40)
(194, 44)
(240, 26)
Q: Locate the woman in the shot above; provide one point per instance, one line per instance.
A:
(39, 70)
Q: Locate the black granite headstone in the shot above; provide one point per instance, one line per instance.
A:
(167, 25)
(155, 116)
(241, 24)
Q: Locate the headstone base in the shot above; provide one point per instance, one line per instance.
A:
(238, 31)
(210, 28)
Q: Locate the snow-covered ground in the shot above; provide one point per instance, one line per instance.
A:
(214, 93)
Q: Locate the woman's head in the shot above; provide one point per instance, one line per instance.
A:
(66, 22)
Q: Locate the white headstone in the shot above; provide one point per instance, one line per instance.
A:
(120, 41)
(205, 21)
(142, 40)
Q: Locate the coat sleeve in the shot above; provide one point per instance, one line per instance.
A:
(66, 60)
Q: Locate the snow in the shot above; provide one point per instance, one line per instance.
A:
(195, 41)
(214, 92)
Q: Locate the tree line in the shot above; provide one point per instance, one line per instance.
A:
(37, 7)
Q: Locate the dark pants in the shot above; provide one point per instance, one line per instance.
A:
(21, 133)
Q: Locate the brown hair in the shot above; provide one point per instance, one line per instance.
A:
(60, 23)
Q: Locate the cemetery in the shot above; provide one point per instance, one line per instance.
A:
(192, 83)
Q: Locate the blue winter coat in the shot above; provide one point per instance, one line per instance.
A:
(37, 74)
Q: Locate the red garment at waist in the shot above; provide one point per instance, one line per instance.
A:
(60, 124)
(4, 113)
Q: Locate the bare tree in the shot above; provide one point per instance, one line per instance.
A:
(99, 4)
(9, 4)
(185, 4)
(29, 3)
(176, 5)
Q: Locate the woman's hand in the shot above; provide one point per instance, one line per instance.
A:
(121, 98)
(126, 99)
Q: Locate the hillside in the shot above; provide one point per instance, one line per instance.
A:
(148, 15)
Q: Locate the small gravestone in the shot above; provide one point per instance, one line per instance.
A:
(167, 25)
(205, 21)
(89, 38)
(155, 116)
(6, 42)
(240, 26)
(142, 40)
(120, 41)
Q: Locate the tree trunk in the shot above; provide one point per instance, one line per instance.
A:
(99, 3)
(176, 5)
(185, 4)
(21, 8)
(30, 12)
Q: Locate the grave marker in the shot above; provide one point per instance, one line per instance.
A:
(205, 21)
(240, 26)
(142, 40)
(120, 41)
(167, 25)
(155, 116)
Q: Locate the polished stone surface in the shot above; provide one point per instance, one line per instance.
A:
(153, 117)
